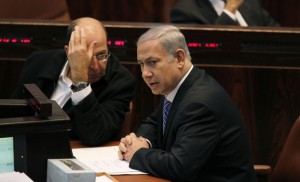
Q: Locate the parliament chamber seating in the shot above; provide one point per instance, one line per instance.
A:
(287, 168)
(258, 66)
(126, 126)
(32, 9)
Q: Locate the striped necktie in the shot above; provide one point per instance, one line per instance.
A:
(166, 109)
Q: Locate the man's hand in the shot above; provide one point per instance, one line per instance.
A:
(129, 145)
(79, 55)
(233, 5)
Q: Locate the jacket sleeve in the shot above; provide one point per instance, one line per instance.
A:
(38, 66)
(98, 117)
(195, 136)
(26, 76)
(149, 127)
(181, 16)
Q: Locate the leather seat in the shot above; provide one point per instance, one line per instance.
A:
(287, 168)
(34, 9)
(126, 127)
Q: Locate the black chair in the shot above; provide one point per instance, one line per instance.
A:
(287, 168)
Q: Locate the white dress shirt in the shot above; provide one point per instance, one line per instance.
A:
(170, 97)
(63, 92)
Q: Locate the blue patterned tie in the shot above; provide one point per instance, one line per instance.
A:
(166, 109)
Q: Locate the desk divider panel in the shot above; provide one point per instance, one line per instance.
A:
(37, 135)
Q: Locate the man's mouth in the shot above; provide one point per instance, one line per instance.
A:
(153, 83)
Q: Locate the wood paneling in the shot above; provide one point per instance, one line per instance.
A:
(122, 10)
(285, 12)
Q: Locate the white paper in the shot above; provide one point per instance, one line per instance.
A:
(103, 178)
(104, 159)
(14, 176)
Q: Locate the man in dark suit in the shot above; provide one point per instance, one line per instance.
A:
(196, 134)
(86, 80)
(219, 12)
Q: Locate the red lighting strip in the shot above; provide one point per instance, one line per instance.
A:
(116, 43)
(210, 45)
(15, 40)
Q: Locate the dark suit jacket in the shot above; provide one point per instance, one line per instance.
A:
(202, 12)
(98, 117)
(205, 139)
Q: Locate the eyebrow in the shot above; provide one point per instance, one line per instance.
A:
(148, 58)
(102, 52)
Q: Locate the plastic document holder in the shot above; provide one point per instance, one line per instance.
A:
(39, 128)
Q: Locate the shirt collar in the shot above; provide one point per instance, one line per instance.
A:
(170, 97)
(218, 5)
(63, 75)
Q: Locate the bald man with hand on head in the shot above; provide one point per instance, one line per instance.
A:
(86, 80)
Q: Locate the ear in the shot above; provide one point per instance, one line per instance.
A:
(66, 48)
(180, 56)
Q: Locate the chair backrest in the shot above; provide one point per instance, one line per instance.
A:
(287, 168)
(126, 126)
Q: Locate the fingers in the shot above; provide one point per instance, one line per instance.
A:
(78, 39)
(124, 144)
(121, 155)
(91, 47)
(122, 149)
(132, 135)
(82, 37)
(77, 36)
(129, 138)
(71, 42)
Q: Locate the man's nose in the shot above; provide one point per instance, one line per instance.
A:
(146, 73)
(94, 63)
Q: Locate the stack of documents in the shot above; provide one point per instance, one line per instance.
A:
(104, 159)
(15, 177)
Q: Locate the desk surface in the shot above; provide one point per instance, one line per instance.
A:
(123, 178)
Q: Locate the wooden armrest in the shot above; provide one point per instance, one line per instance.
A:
(262, 169)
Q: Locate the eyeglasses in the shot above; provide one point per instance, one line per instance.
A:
(102, 57)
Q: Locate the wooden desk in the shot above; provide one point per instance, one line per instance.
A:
(262, 171)
(123, 178)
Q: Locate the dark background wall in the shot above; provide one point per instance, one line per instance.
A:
(285, 12)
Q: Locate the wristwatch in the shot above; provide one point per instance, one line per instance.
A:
(79, 86)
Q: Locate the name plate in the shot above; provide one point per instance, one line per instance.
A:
(69, 170)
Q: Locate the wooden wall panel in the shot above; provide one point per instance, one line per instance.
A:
(116, 10)
(285, 12)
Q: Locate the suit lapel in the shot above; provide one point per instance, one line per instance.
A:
(68, 107)
(249, 16)
(208, 13)
(47, 79)
(186, 85)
